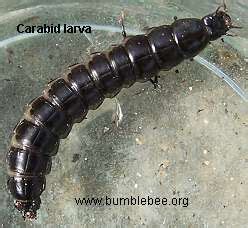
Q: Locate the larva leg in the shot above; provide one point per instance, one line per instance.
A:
(73, 65)
(147, 29)
(155, 82)
(121, 21)
(95, 53)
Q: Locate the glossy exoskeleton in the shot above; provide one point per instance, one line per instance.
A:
(67, 99)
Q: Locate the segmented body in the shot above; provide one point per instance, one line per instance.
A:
(67, 99)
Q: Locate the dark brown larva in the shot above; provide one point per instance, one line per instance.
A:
(67, 99)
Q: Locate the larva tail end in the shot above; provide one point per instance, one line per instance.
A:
(28, 208)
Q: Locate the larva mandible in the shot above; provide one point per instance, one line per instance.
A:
(67, 99)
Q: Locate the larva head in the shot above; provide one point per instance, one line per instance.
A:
(218, 24)
(28, 209)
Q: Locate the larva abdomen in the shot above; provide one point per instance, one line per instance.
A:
(28, 163)
(165, 48)
(122, 65)
(80, 80)
(36, 138)
(61, 95)
(26, 189)
(53, 118)
(140, 53)
(104, 75)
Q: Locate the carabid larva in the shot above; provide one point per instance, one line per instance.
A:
(67, 99)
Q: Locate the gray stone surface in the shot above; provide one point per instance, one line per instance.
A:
(187, 139)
